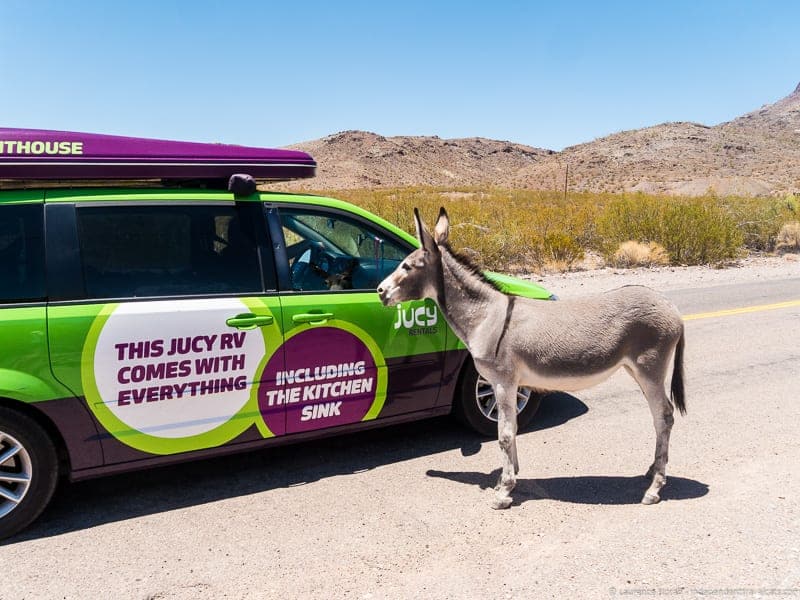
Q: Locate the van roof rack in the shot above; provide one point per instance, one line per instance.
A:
(35, 156)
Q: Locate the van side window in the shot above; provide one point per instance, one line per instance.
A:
(21, 253)
(328, 251)
(146, 251)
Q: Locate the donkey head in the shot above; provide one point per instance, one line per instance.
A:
(420, 274)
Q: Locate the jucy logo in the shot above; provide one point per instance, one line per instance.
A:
(420, 320)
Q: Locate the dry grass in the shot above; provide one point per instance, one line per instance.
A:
(520, 230)
(638, 254)
(788, 239)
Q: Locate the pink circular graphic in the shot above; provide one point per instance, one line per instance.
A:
(329, 379)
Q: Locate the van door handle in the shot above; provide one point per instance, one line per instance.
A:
(249, 321)
(313, 318)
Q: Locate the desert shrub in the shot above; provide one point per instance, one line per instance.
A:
(516, 230)
(504, 230)
(699, 231)
(558, 251)
(693, 230)
(788, 238)
(626, 218)
(638, 254)
(760, 219)
(553, 236)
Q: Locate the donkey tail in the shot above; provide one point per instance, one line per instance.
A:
(677, 394)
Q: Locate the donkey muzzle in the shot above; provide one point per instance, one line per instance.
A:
(385, 293)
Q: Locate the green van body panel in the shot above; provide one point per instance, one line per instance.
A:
(25, 374)
(519, 287)
(361, 306)
(24, 359)
(21, 196)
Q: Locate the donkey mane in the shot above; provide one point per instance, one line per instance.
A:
(470, 266)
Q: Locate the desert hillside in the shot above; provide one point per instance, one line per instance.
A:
(755, 154)
(363, 159)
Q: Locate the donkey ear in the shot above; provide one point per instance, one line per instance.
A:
(442, 229)
(425, 238)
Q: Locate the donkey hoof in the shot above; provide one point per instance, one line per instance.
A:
(501, 503)
(650, 498)
(498, 485)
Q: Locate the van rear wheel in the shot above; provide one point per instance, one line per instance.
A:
(28, 471)
(475, 405)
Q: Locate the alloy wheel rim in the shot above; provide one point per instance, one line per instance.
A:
(15, 473)
(487, 403)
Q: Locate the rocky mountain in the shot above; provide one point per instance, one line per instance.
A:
(362, 159)
(755, 154)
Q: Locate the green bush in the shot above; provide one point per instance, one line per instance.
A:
(692, 230)
(760, 219)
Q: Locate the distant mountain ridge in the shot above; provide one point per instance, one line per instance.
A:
(755, 154)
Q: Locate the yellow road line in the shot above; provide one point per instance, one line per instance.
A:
(741, 311)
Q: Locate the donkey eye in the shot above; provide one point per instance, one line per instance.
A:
(405, 266)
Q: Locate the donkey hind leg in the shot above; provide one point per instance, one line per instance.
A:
(507, 437)
(661, 409)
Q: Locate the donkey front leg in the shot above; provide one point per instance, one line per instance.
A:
(506, 397)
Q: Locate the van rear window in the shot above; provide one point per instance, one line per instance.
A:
(21, 253)
(145, 251)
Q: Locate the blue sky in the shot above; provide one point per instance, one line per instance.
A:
(548, 74)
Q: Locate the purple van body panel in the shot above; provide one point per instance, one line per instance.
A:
(93, 453)
(37, 154)
(78, 429)
(240, 445)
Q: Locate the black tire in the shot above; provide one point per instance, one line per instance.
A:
(467, 408)
(35, 459)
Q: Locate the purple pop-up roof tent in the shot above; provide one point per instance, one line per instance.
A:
(41, 155)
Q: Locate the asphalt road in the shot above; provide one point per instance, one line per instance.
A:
(404, 512)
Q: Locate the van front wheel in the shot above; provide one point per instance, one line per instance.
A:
(28, 471)
(474, 403)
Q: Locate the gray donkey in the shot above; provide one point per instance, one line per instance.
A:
(567, 345)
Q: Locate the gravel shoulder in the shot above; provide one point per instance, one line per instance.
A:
(748, 270)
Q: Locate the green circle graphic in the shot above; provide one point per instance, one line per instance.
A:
(147, 442)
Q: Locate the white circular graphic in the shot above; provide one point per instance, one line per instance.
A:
(174, 369)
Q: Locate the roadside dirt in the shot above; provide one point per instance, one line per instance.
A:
(753, 269)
